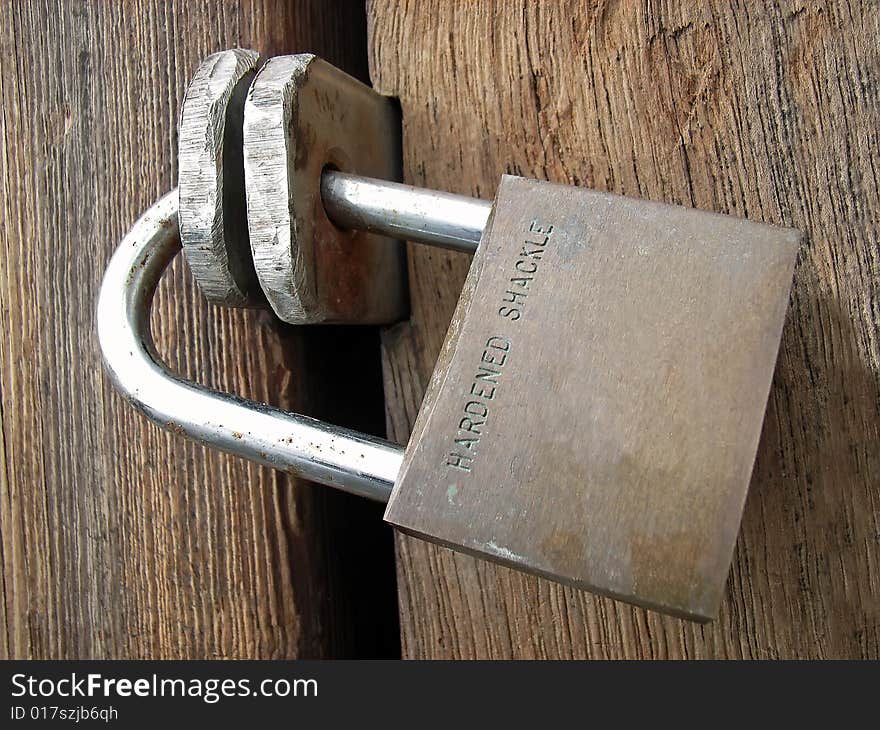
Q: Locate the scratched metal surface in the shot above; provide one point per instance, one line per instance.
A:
(213, 226)
(598, 401)
(301, 115)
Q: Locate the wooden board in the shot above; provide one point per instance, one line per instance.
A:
(118, 539)
(769, 113)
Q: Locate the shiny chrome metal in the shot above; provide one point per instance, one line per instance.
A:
(405, 212)
(317, 451)
(320, 452)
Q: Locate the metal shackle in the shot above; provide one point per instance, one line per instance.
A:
(296, 124)
(320, 452)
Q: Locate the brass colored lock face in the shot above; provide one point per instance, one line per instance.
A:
(596, 409)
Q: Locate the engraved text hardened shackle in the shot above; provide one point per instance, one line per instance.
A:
(595, 412)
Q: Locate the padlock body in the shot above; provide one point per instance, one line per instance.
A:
(595, 412)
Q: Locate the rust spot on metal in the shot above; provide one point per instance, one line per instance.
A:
(175, 428)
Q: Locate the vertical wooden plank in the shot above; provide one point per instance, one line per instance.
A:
(764, 111)
(120, 540)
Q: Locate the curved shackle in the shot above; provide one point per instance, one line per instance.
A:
(337, 457)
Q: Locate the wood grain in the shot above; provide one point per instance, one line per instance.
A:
(764, 111)
(118, 539)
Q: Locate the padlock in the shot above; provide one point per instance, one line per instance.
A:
(595, 412)
(596, 408)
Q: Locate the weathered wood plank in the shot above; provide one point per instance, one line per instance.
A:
(767, 112)
(120, 540)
